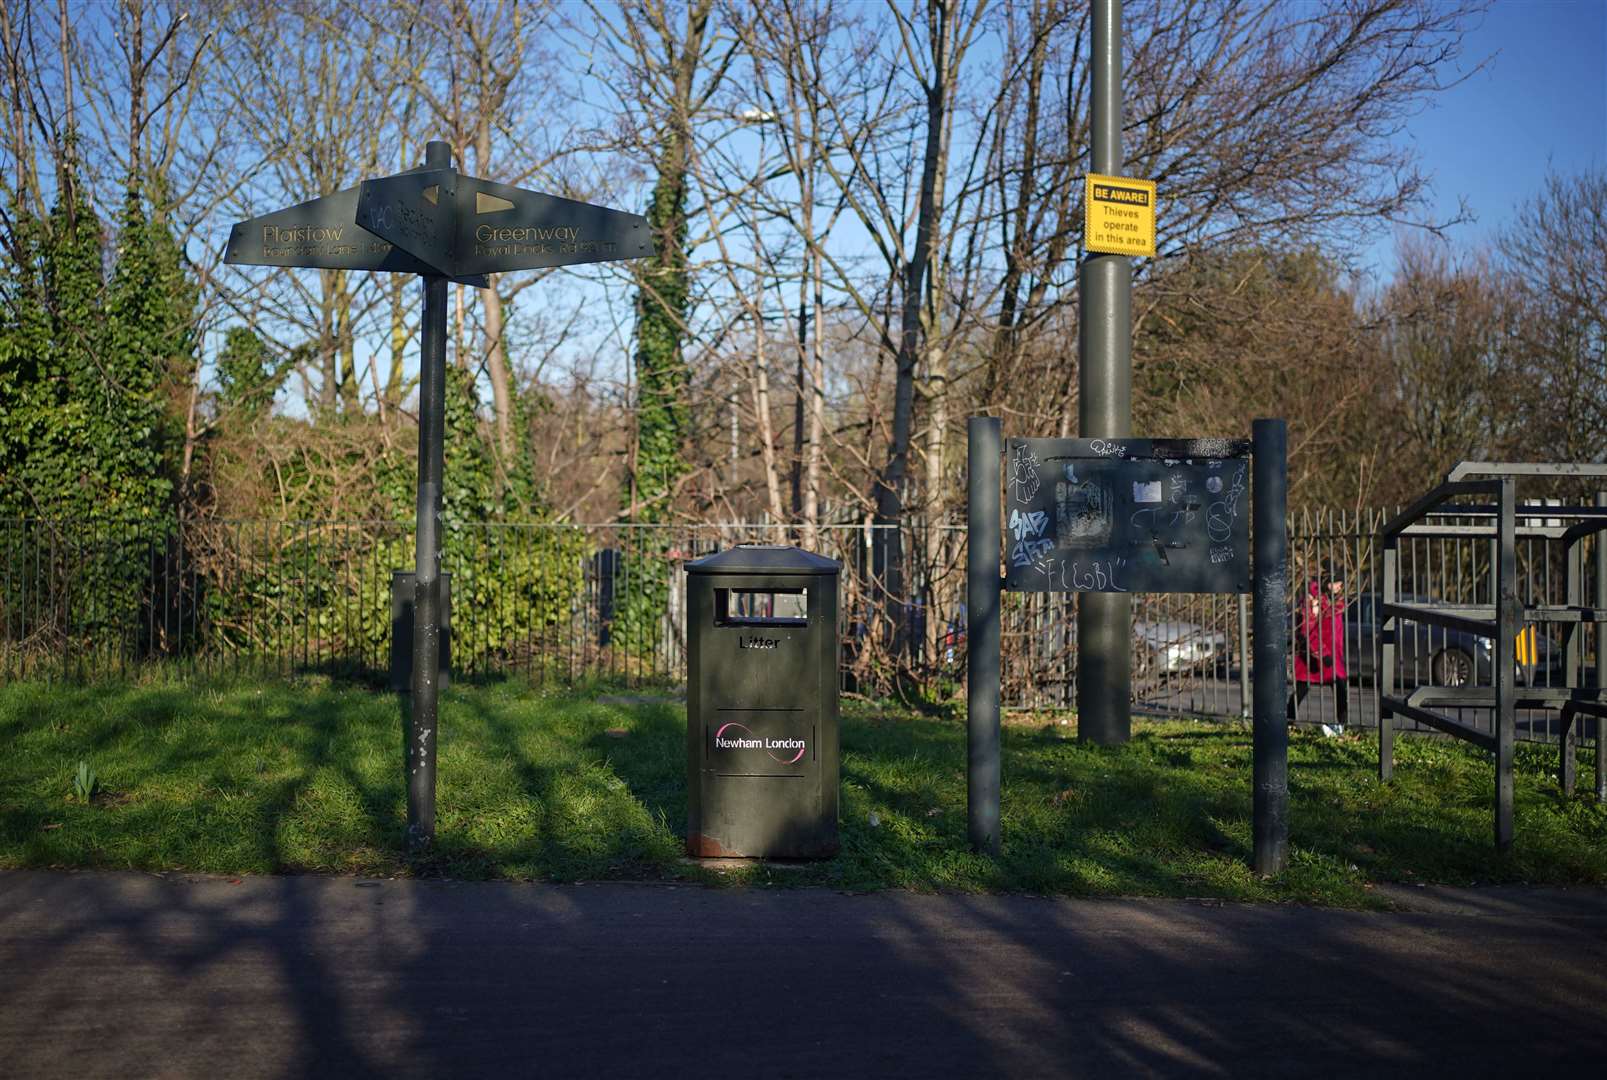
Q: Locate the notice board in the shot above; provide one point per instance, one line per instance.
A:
(1127, 515)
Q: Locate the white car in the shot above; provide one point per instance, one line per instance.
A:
(1170, 646)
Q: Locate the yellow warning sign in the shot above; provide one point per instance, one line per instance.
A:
(1120, 215)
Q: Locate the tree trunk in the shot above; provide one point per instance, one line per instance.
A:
(890, 491)
(1020, 242)
(136, 88)
(817, 415)
(795, 466)
(399, 339)
(496, 356)
(937, 422)
(327, 361)
(761, 407)
(346, 342)
(661, 378)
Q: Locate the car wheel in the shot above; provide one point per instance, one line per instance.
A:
(1453, 667)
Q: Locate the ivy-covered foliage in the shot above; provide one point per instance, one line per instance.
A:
(86, 434)
(285, 542)
(247, 376)
(662, 380)
(29, 384)
(662, 410)
(318, 593)
(87, 444)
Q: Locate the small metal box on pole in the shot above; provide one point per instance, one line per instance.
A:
(403, 587)
(762, 704)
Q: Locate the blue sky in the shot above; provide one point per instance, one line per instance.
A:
(1540, 102)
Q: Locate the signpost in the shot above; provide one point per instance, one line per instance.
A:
(444, 226)
(322, 234)
(471, 226)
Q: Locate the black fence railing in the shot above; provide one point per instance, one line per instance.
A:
(566, 603)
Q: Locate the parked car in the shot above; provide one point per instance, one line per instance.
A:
(1171, 646)
(1435, 655)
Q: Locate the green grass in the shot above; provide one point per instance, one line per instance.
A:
(305, 776)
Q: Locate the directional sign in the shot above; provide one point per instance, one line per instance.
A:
(503, 228)
(465, 225)
(1127, 515)
(414, 211)
(321, 234)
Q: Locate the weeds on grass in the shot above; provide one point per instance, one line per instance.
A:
(84, 782)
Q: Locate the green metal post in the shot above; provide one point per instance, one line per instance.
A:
(1387, 629)
(1269, 493)
(1244, 656)
(424, 730)
(1568, 737)
(1507, 616)
(982, 591)
(1105, 405)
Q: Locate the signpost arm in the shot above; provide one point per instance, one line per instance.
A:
(424, 731)
(1269, 498)
(1105, 409)
(982, 591)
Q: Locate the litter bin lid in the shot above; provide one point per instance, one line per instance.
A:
(764, 559)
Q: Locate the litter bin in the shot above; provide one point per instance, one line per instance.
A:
(761, 703)
(402, 630)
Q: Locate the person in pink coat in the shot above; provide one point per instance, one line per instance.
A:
(1319, 648)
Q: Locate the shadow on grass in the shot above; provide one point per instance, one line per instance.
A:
(598, 806)
(567, 786)
(209, 779)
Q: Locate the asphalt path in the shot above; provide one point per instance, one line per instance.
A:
(135, 975)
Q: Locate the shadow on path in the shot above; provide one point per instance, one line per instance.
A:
(290, 976)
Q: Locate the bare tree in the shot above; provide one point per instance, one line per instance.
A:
(1555, 256)
(1443, 327)
(486, 84)
(267, 90)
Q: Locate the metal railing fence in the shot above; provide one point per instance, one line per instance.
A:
(566, 603)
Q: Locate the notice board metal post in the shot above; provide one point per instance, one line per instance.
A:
(983, 588)
(1270, 487)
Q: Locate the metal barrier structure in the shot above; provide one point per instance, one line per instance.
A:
(1498, 619)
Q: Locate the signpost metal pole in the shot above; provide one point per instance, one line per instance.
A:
(425, 727)
(1105, 287)
(982, 591)
(1269, 498)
